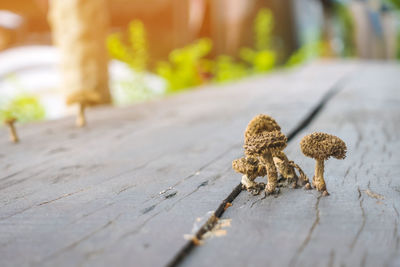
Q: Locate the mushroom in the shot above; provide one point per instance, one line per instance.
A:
(261, 123)
(251, 168)
(263, 146)
(84, 98)
(322, 146)
(13, 133)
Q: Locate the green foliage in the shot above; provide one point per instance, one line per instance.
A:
(227, 70)
(263, 26)
(398, 45)
(135, 52)
(134, 89)
(305, 53)
(24, 108)
(187, 67)
(261, 61)
(393, 3)
(132, 50)
(346, 25)
(263, 57)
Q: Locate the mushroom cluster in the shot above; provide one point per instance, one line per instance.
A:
(263, 146)
(264, 123)
(264, 143)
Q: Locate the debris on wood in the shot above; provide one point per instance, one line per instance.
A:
(165, 190)
(374, 195)
(227, 205)
(218, 229)
(322, 146)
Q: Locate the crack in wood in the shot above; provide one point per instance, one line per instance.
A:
(69, 194)
(364, 220)
(364, 259)
(331, 258)
(61, 197)
(309, 235)
(76, 243)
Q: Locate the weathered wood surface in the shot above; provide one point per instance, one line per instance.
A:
(92, 196)
(358, 224)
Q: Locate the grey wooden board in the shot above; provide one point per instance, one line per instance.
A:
(358, 224)
(92, 196)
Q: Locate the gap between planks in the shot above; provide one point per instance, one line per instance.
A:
(213, 219)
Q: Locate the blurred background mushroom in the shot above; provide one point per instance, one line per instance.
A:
(83, 99)
(80, 28)
(13, 132)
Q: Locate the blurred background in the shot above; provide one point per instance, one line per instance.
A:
(131, 51)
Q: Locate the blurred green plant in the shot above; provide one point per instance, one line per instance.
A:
(187, 66)
(393, 3)
(398, 45)
(24, 108)
(131, 49)
(263, 57)
(305, 53)
(346, 29)
(135, 51)
(226, 69)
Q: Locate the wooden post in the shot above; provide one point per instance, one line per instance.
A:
(79, 30)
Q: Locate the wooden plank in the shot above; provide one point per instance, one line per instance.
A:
(92, 196)
(358, 224)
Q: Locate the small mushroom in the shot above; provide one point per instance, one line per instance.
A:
(262, 146)
(251, 168)
(322, 146)
(13, 132)
(261, 123)
(84, 98)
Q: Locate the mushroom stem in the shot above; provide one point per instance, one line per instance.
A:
(282, 164)
(303, 177)
(13, 132)
(81, 120)
(271, 172)
(247, 182)
(318, 180)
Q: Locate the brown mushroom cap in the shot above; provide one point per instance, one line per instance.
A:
(10, 120)
(261, 123)
(85, 97)
(249, 166)
(266, 141)
(323, 146)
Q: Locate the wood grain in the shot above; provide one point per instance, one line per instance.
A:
(358, 224)
(126, 189)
